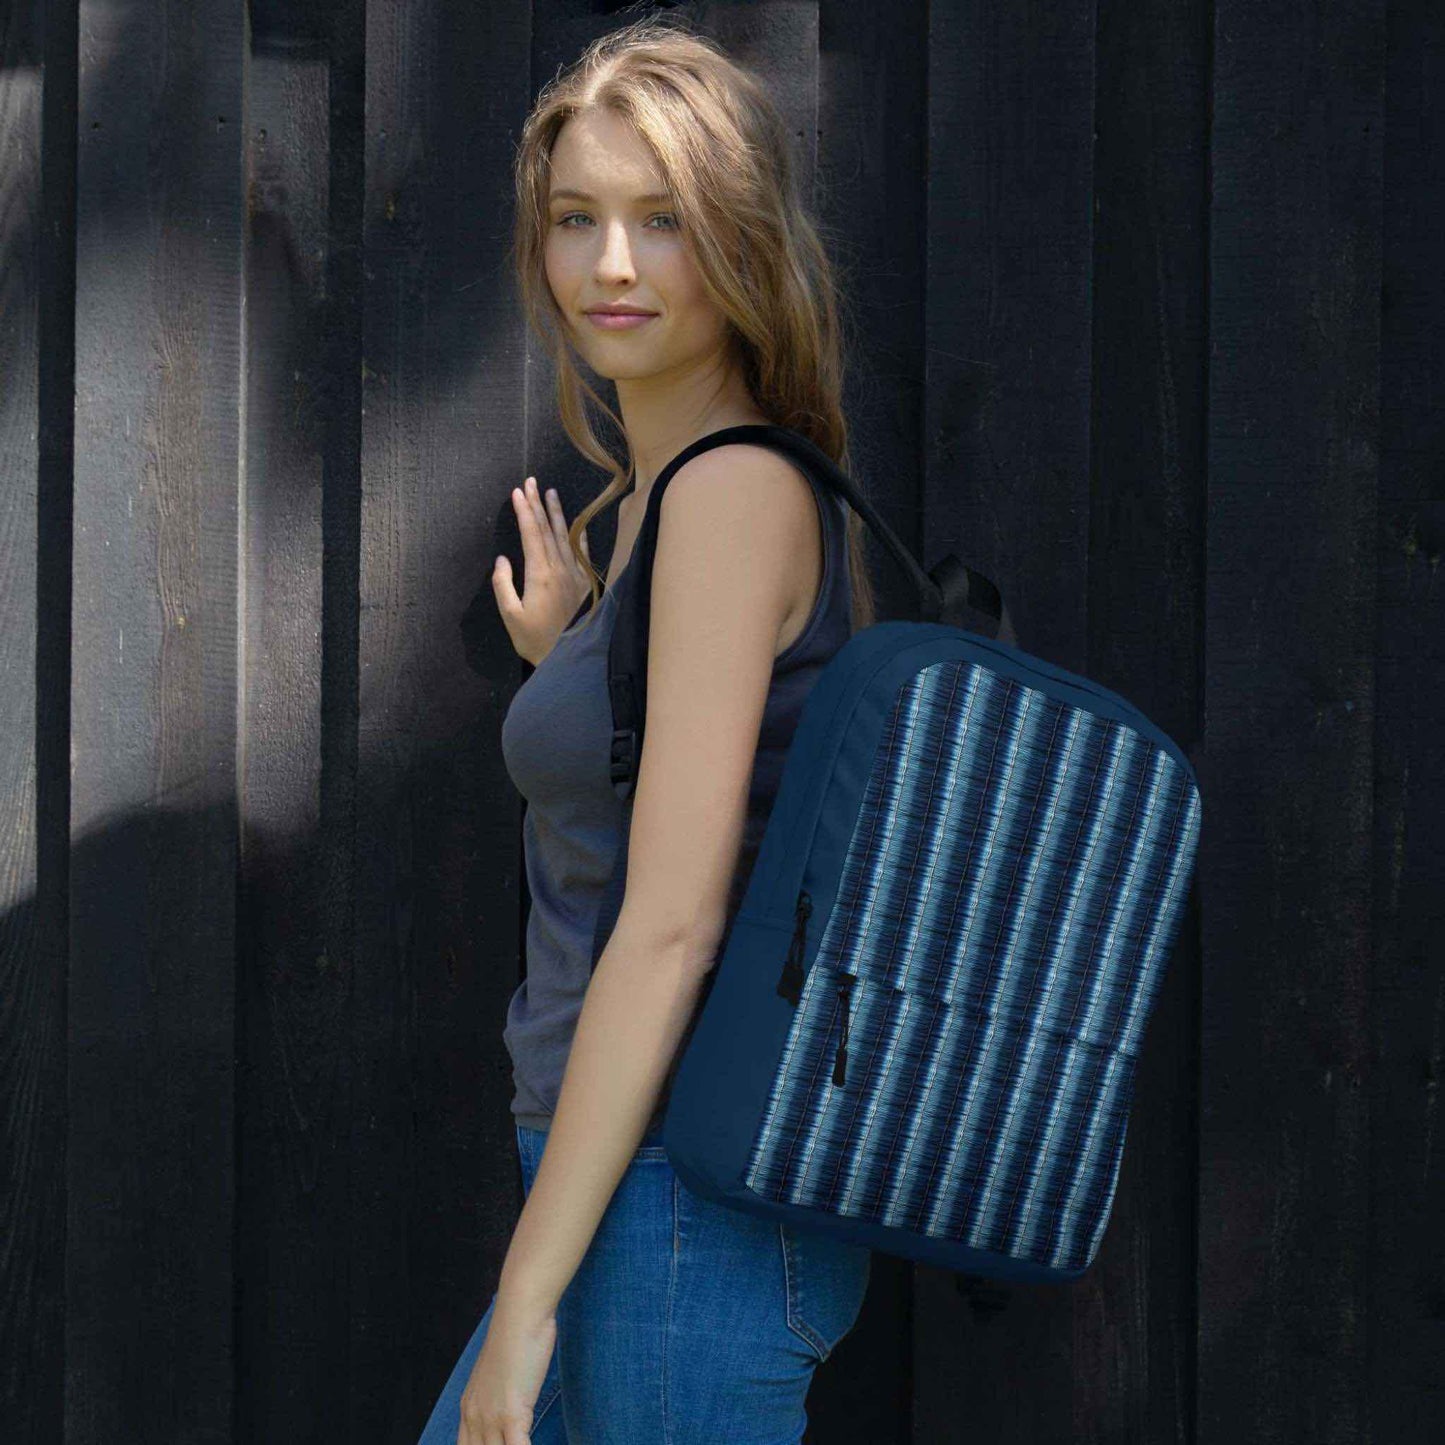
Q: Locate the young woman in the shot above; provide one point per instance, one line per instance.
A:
(653, 178)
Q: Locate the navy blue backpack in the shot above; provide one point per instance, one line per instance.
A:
(922, 1029)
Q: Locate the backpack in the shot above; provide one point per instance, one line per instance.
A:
(922, 1028)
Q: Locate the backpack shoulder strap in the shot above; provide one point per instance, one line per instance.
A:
(946, 592)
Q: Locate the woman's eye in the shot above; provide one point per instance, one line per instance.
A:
(583, 216)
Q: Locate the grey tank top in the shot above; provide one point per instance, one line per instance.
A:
(556, 745)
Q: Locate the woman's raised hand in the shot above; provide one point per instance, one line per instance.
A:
(556, 584)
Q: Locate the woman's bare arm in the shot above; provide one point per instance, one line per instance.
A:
(733, 523)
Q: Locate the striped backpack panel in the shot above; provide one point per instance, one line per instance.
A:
(923, 1030)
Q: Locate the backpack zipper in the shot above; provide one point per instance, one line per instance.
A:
(790, 984)
(840, 1062)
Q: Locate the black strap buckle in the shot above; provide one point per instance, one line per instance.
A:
(624, 754)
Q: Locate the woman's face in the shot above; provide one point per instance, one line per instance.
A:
(620, 241)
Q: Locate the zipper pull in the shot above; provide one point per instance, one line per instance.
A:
(790, 984)
(840, 1063)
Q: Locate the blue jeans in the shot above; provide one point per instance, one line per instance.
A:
(687, 1323)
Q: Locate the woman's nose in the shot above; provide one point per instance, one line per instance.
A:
(616, 257)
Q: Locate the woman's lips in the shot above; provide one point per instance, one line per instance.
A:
(614, 321)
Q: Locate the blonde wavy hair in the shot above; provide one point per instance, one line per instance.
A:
(722, 148)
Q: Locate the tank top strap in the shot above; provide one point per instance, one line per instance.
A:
(830, 624)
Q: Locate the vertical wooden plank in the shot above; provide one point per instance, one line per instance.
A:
(37, 293)
(1007, 442)
(1133, 1377)
(870, 200)
(304, 140)
(435, 936)
(1285, 864)
(1406, 1199)
(150, 1272)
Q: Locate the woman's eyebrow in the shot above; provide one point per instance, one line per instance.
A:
(568, 193)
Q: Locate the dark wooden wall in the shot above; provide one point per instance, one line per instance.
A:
(1148, 306)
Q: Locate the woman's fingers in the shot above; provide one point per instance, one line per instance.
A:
(503, 585)
(565, 554)
(527, 527)
(546, 554)
(584, 574)
(493, 1435)
(541, 521)
(545, 522)
(534, 544)
(559, 523)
